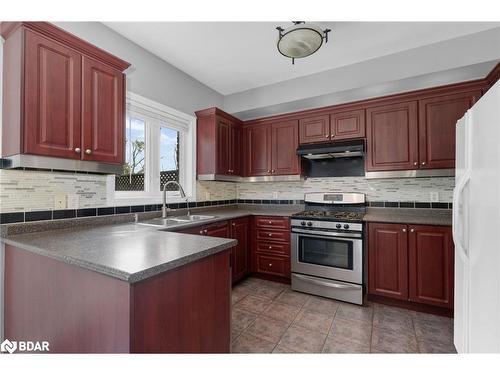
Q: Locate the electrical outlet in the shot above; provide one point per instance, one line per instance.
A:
(73, 201)
(60, 201)
(434, 196)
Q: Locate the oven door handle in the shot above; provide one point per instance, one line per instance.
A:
(327, 234)
(326, 283)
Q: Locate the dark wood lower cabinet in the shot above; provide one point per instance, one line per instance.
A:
(388, 260)
(413, 263)
(238, 229)
(431, 260)
(185, 310)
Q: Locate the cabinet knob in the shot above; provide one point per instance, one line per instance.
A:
(412, 230)
(270, 234)
(423, 163)
(404, 230)
(415, 163)
(88, 151)
(270, 222)
(268, 171)
(205, 231)
(273, 171)
(78, 150)
(270, 247)
(201, 232)
(331, 135)
(327, 136)
(234, 224)
(270, 264)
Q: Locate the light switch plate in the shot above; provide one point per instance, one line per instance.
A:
(73, 201)
(434, 196)
(60, 201)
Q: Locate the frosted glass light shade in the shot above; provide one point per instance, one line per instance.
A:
(300, 40)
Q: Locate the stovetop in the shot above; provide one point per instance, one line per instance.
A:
(350, 216)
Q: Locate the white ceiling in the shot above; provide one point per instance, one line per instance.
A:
(232, 57)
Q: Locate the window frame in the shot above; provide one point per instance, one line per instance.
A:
(157, 115)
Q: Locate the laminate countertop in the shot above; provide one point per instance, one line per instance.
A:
(409, 216)
(129, 252)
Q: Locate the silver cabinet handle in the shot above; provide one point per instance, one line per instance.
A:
(325, 283)
(88, 151)
(78, 150)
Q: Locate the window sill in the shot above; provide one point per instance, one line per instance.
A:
(139, 199)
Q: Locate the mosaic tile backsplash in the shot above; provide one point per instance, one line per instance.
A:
(35, 190)
(395, 190)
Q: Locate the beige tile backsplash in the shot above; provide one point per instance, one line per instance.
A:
(35, 190)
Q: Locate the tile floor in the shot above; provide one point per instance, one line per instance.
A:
(269, 317)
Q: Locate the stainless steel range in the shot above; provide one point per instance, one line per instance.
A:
(327, 246)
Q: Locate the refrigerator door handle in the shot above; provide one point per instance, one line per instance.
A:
(457, 221)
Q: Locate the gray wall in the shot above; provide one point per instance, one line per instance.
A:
(148, 76)
(459, 59)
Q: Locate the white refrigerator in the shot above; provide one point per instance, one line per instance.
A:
(476, 227)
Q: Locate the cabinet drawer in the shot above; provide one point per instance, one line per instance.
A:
(273, 235)
(273, 247)
(273, 265)
(272, 222)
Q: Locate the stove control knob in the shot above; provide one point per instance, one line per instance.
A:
(309, 223)
(346, 226)
(302, 223)
(338, 226)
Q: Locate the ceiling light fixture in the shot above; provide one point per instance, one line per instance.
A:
(300, 40)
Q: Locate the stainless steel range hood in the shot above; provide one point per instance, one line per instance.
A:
(346, 149)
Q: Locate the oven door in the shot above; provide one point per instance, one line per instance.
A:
(330, 255)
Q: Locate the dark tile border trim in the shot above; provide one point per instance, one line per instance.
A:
(19, 217)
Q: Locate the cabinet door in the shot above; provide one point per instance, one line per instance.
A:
(240, 256)
(285, 140)
(314, 129)
(103, 112)
(388, 260)
(431, 264)
(438, 117)
(217, 230)
(52, 98)
(258, 150)
(235, 149)
(347, 125)
(223, 146)
(391, 137)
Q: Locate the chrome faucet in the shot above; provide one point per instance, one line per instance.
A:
(183, 195)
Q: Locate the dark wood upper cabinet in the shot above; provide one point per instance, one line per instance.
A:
(392, 137)
(438, 117)
(52, 115)
(314, 129)
(258, 150)
(240, 230)
(63, 97)
(431, 265)
(388, 260)
(103, 110)
(347, 124)
(218, 143)
(285, 140)
(271, 149)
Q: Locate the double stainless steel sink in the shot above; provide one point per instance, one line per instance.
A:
(175, 220)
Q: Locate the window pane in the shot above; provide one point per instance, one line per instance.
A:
(169, 157)
(133, 170)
